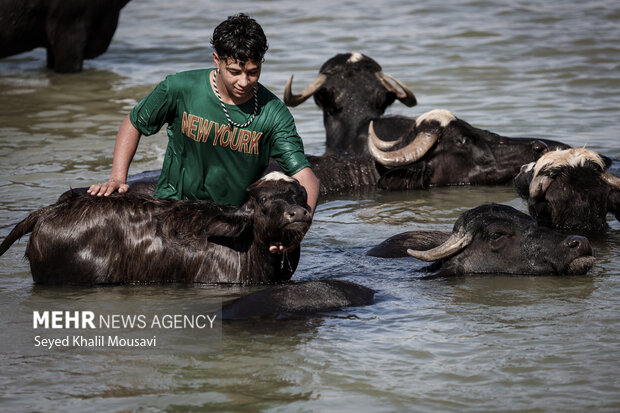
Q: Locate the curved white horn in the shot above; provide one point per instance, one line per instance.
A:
(385, 145)
(406, 155)
(293, 100)
(539, 186)
(405, 95)
(451, 246)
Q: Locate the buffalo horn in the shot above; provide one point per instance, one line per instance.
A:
(612, 180)
(451, 246)
(539, 186)
(380, 143)
(405, 95)
(293, 100)
(403, 156)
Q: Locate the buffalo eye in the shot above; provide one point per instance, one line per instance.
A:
(540, 147)
(262, 199)
(497, 235)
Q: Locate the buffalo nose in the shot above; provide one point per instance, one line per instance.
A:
(578, 243)
(295, 214)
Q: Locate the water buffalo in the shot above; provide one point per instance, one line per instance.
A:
(71, 31)
(301, 298)
(132, 238)
(439, 149)
(352, 90)
(493, 239)
(397, 152)
(570, 190)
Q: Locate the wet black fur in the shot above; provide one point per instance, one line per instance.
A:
(302, 298)
(71, 31)
(578, 200)
(505, 241)
(134, 238)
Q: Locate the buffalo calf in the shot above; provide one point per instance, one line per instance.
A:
(134, 238)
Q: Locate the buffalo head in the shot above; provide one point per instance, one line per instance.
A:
(351, 89)
(279, 209)
(438, 149)
(570, 190)
(494, 239)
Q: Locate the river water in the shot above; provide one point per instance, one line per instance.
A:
(549, 69)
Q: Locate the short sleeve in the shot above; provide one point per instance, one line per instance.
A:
(287, 146)
(151, 113)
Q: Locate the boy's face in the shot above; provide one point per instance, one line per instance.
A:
(239, 80)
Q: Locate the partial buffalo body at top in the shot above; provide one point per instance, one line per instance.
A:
(570, 190)
(70, 30)
(492, 239)
(132, 238)
(396, 152)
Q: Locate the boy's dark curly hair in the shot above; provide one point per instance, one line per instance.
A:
(240, 37)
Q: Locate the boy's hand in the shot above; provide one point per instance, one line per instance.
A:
(107, 188)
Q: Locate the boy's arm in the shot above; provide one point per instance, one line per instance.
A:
(126, 144)
(309, 181)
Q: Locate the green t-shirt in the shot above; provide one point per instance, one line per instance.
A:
(205, 158)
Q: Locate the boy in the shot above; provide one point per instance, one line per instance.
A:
(223, 126)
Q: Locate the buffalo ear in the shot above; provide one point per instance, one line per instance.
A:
(229, 225)
(613, 203)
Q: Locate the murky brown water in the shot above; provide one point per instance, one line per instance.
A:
(546, 68)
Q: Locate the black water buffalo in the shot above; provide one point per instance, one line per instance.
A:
(438, 149)
(397, 152)
(70, 30)
(301, 298)
(570, 190)
(352, 90)
(127, 238)
(493, 239)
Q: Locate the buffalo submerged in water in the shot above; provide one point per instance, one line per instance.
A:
(570, 190)
(492, 239)
(133, 238)
(70, 31)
